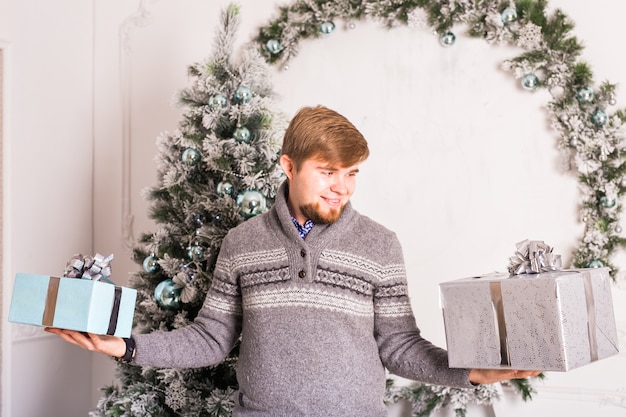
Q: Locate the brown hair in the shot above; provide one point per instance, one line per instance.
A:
(321, 133)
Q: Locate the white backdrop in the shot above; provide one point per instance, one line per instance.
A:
(463, 166)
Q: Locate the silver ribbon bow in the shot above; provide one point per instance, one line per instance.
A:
(97, 268)
(533, 257)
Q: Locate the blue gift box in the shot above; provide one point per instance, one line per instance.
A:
(73, 303)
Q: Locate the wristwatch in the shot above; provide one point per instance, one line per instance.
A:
(129, 355)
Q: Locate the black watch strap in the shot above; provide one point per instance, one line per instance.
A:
(129, 355)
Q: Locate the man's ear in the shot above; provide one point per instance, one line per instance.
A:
(286, 163)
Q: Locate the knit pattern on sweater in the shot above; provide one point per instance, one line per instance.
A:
(349, 292)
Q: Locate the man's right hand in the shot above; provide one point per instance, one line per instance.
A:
(108, 345)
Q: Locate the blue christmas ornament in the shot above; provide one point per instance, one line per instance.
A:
(327, 27)
(508, 15)
(191, 156)
(251, 203)
(595, 264)
(599, 118)
(196, 252)
(530, 82)
(447, 39)
(167, 295)
(273, 46)
(585, 95)
(150, 264)
(243, 94)
(217, 101)
(242, 134)
(225, 188)
(607, 203)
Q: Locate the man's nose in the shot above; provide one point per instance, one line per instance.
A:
(339, 184)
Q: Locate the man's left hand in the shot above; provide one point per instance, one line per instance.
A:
(491, 376)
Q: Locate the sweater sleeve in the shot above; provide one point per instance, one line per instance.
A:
(403, 351)
(211, 336)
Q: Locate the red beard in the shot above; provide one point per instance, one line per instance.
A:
(313, 213)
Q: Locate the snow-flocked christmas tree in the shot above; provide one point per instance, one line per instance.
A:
(215, 171)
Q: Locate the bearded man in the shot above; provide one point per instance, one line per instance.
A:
(316, 291)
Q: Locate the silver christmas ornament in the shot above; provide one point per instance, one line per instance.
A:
(196, 252)
(225, 188)
(447, 39)
(508, 15)
(167, 295)
(327, 28)
(150, 264)
(273, 46)
(243, 94)
(607, 203)
(217, 101)
(595, 264)
(191, 156)
(599, 118)
(585, 95)
(242, 134)
(530, 82)
(251, 203)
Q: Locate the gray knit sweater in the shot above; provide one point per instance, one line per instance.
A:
(320, 319)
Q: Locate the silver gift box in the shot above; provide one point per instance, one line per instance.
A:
(552, 321)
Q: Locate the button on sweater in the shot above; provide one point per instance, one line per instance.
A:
(320, 319)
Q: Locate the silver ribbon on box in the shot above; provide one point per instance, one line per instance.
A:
(533, 257)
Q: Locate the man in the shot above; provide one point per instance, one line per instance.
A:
(317, 292)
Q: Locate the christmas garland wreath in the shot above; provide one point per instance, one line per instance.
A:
(591, 138)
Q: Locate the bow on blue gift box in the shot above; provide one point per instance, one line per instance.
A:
(97, 268)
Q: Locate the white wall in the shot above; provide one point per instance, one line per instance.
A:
(449, 132)
(48, 181)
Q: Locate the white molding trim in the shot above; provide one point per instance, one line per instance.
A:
(140, 18)
(7, 256)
